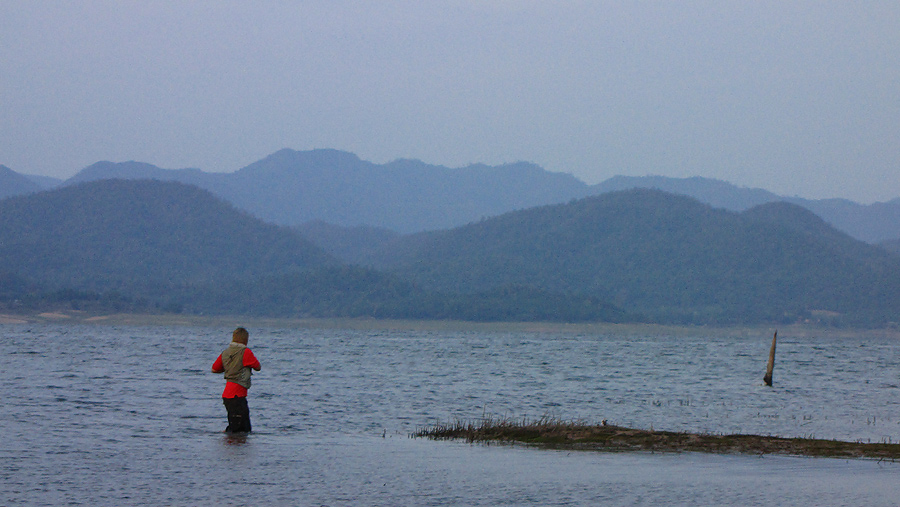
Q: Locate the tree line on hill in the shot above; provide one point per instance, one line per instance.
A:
(629, 256)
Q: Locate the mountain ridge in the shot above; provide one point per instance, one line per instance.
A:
(292, 187)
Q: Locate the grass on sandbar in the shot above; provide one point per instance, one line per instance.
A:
(559, 434)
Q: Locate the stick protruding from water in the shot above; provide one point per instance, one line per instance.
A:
(771, 366)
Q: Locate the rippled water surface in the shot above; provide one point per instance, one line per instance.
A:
(107, 415)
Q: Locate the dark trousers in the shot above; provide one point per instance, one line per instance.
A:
(238, 415)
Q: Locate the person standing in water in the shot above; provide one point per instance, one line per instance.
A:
(236, 363)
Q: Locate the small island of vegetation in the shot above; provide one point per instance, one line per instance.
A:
(557, 434)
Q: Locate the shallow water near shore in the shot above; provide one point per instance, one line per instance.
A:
(129, 415)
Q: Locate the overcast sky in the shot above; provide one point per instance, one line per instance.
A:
(800, 98)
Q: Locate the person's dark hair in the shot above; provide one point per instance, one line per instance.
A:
(240, 335)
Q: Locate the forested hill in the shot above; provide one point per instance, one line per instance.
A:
(873, 223)
(623, 256)
(135, 235)
(670, 257)
(142, 245)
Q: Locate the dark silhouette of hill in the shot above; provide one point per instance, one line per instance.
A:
(668, 257)
(13, 183)
(141, 235)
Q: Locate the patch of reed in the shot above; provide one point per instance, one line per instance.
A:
(558, 433)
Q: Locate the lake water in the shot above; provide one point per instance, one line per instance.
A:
(106, 415)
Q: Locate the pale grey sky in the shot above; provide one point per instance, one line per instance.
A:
(800, 98)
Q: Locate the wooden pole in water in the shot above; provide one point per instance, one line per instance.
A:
(768, 378)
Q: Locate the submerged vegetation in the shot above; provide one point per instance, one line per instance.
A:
(576, 435)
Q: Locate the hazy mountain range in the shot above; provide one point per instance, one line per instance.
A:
(295, 187)
(635, 255)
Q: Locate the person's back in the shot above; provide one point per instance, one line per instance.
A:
(233, 365)
(237, 363)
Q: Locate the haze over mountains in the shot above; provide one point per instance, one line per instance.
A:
(293, 188)
(635, 255)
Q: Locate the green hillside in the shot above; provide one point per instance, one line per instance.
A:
(637, 255)
(144, 235)
(142, 245)
(668, 257)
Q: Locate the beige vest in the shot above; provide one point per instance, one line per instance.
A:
(233, 362)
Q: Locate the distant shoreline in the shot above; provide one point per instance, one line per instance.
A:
(554, 434)
(636, 329)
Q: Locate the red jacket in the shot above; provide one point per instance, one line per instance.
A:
(232, 389)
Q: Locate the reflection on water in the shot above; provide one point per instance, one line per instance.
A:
(130, 415)
(233, 439)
